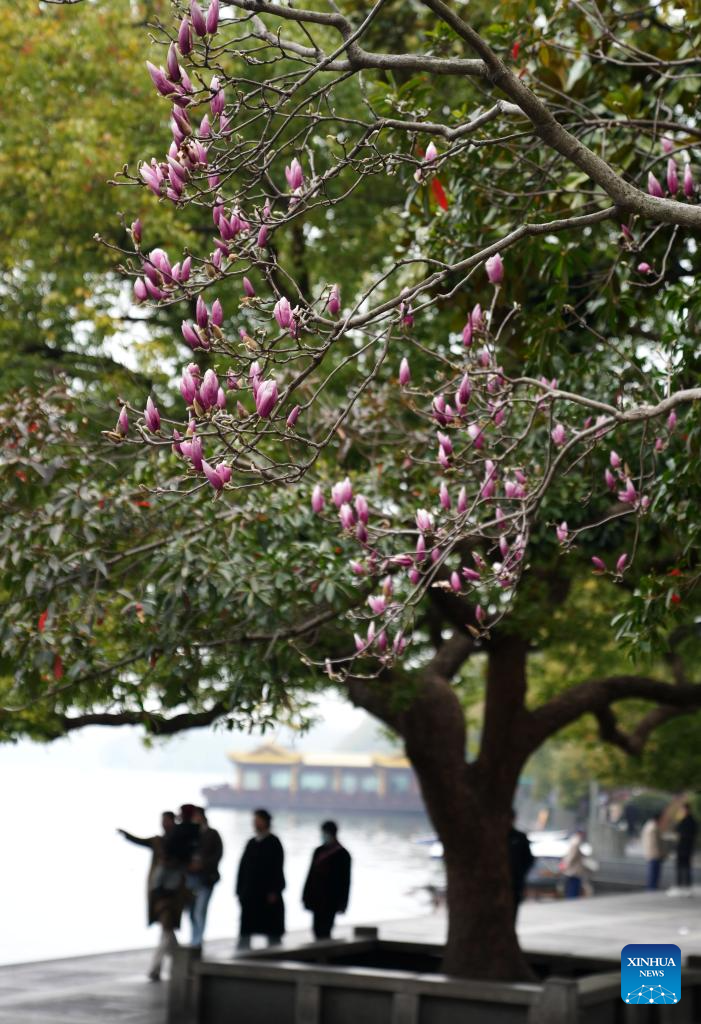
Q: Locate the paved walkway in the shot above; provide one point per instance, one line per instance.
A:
(113, 987)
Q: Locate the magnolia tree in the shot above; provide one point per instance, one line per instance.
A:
(501, 390)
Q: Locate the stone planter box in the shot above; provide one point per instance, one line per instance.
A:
(369, 981)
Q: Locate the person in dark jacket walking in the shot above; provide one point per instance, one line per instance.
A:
(260, 885)
(520, 862)
(686, 830)
(203, 874)
(328, 882)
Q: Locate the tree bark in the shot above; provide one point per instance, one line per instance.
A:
(469, 805)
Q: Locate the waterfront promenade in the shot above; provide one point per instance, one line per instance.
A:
(112, 987)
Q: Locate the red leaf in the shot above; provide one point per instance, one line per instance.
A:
(42, 621)
(439, 194)
(515, 49)
(58, 667)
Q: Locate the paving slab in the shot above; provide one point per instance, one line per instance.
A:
(113, 987)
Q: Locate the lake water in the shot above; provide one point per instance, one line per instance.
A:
(72, 886)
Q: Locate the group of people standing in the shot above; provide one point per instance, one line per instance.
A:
(185, 869)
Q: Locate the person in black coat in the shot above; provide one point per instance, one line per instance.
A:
(686, 830)
(260, 884)
(328, 882)
(520, 862)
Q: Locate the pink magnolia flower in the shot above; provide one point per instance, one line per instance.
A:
(152, 417)
(342, 492)
(198, 19)
(654, 187)
(160, 79)
(293, 417)
(217, 313)
(444, 496)
(688, 182)
(318, 500)
(212, 476)
(140, 290)
(424, 520)
(599, 564)
(404, 372)
(283, 313)
(495, 269)
(628, 495)
(615, 460)
(184, 37)
(672, 176)
(621, 563)
(361, 509)
(294, 175)
(456, 582)
(347, 516)
(266, 398)
(559, 435)
(248, 288)
(378, 604)
(644, 268)
(212, 19)
(209, 389)
(188, 388)
(671, 421)
(562, 532)
(462, 500)
(431, 153)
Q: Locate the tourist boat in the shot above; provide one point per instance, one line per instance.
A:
(281, 779)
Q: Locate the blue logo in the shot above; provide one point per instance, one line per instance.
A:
(651, 973)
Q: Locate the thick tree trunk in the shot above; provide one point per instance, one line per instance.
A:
(469, 804)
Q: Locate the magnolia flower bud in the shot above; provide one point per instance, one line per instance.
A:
(644, 268)
(212, 19)
(361, 508)
(347, 516)
(122, 427)
(293, 417)
(421, 548)
(671, 421)
(318, 501)
(610, 480)
(217, 313)
(672, 177)
(462, 396)
(456, 582)
(615, 460)
(172, 64)
(404, 372)
(688, 181)
(599, 564)
(462, 500)
(444, 496)
(188, 388)
(495, 269)
(209, 389)
(479, 613)
(621, 564)
(654, 187)
(217, 102)
(283, 313)
(160, 79)
(266, 397)
(467, 333)
(562, 532)
(190, 335)
(140, 290)
(198, 20)
(196, 453)
(262, 239)
(248, 288)
(201, 312)
(152, 417)
(184, 37)
(221, 398)
(628, 495)
(472, 575)
(334, 303)
(414, 576)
